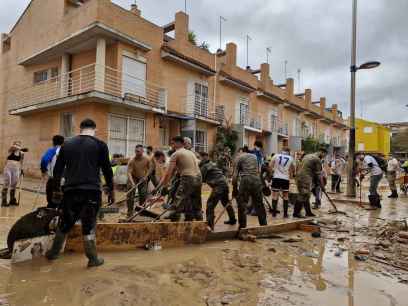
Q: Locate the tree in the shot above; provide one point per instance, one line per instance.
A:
(192, 37)
(226, 137)
(311, 145)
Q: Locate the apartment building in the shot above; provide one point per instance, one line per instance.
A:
(65, 60)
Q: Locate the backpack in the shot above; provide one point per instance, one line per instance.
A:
(382, 163)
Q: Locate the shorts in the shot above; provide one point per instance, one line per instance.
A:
(280, 184)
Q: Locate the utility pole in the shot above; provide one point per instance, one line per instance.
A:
(285, 69)
(221, 20)
(248, 38)
(351, 187)
(185, 6)
(268, 51)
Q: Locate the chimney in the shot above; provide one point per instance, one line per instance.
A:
(322, 105)
(135, 10)
(181, 26)
(290, 88)
(265, 74)
(334, 109)
(308, 98)
(231, 54)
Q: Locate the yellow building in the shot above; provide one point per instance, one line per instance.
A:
(372, 137)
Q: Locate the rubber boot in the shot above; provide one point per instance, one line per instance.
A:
(394, 195)
(231, 215)
(59, 239)
(130, 207)
(210, 223)
(285, 208)
(317, 204)
(297, 210)
(377, 201)
(13, 201)
(4, 193)
(308, 210)
(90, 252)
(274, 208)
(372, 199)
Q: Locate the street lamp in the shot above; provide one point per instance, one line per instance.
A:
(351, 187)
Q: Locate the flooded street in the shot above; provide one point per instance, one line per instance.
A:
(265, 272)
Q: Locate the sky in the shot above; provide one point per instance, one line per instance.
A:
(311, 35)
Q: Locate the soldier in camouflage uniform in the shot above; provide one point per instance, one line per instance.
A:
(250, 185)
(224, 161)
(214, 177)
(308, 175)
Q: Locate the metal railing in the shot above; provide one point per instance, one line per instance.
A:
(283, 128)
(199, 106)
(250, 120)
(91, 78)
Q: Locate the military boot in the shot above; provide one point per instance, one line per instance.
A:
(59, 239)
(90, 252)
(285, 208)
(374, 201)
(297, 209)
(4, 202)
(308, 210)
(231, 215)
(394, 195)
(13, 201)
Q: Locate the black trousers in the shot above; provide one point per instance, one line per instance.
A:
(49, 189)
(219, 193)
(81, 205)
(335, 182)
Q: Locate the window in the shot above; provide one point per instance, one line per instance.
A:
(220, 113)
(274, 121)
(368, 129)
(164, 137)
(67, 125)
(45, 75)
(201, 141)
(200, 100)
(244, 110)
(361, 147)
(297, 127)
(125, 133)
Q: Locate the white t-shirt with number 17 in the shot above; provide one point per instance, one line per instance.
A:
(282, 164)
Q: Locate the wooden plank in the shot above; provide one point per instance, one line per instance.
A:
(259, 231)
(265, 231)
(129, 236)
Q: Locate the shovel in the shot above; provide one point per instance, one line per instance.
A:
(336, 211)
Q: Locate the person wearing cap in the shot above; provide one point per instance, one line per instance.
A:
(81, 159)
(12, 172)
(308, 174)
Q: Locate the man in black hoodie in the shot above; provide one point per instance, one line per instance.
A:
(81, 159)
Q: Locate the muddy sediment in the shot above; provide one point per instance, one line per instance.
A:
(307, 271)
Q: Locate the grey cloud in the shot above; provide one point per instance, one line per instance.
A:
(314, 35)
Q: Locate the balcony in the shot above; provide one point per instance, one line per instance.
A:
(91, 83)
(283, 129)
(198, 107)
(251, 122)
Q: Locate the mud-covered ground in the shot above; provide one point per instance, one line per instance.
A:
(310, 271)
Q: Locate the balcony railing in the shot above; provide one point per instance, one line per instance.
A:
(251, 121)
(88, 79)
(199, 106)
(283, 128)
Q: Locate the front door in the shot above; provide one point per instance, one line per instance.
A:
(134, 77)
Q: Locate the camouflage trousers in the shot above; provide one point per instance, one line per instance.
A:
(219, 193)
(250, 186)
(142, 192)
(187, 199)
(304, 186)
(392, 177)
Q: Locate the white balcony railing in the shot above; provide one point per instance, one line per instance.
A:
(91, 78)
(199, 106)
(250, 120)
(283, 128)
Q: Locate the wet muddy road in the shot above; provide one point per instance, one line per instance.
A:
(267, 272)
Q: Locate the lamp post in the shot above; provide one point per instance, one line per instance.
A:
(221, 20)
(351, 187)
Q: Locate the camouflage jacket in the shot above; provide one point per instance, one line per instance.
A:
(310, 169)
(211, 174)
